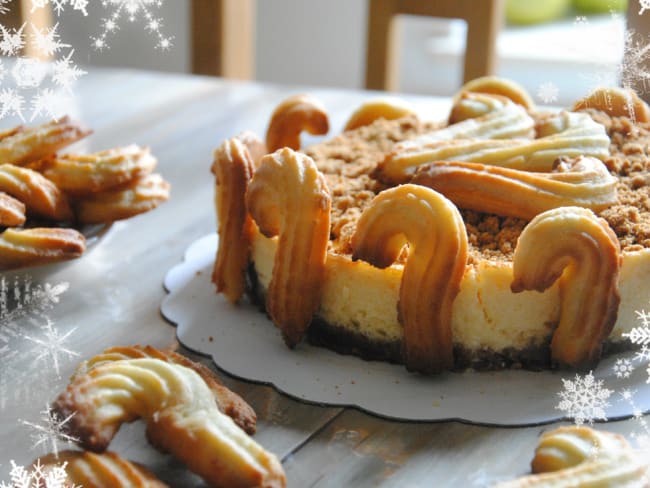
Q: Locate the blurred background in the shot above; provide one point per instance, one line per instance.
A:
(558, 49)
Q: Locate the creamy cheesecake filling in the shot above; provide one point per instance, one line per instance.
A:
(487, 316)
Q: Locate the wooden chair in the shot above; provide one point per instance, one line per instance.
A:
(223, 38)
(20, 12)
(483, 17)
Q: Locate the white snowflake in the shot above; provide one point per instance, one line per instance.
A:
(59, 5)
(631, 71)
(623, 368)
(47, 40)
(584, 399)
(643, 354)
(645, 5)
(548, 92)
(132, 9)
(28, 73)
(21, 297)
(51, 346)
(640, 335)
(11, 103)
(580, 20)
(12, 41)
(33, 80)
(24, 308)
(3, 6)
(38, 477)
(51, 431)
(65, 72)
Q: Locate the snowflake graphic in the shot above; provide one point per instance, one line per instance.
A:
(580, 20)
(13, 40)
(548, 92)
(623, 368)
(24, 308)
(584, 399)
(51, 346)
(59, 5)
(3, 6)
(645, 5)
(38, 477)
(631, 70)
(640, 335)
(642, 355)
(132, 9)
(35, 81)
(641, 436)
(50, 431)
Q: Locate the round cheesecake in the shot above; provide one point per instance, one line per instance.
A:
(491, 326)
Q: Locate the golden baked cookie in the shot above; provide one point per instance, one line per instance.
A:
(380, 108)
(181, 415)
(25, 144)
(576, 240)
(228, 402)
(106, 470)
(294, 115)
(12, 211)
(40, 196)
(289, 198)
(499, 86)
(435, 266)
(617, 102)
(136, 197)
(578, 456)
(81, 174)
(583, 181)
(233, 169)
(25, 247)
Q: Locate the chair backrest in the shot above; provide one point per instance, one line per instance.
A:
(483, 17)
(223, 38)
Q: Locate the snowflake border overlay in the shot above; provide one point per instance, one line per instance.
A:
(38, 476)
(548, 92)
(132, 9)
(24, 319)
(51, 431)
(42, 88)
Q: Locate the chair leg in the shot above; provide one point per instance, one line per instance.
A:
(481, 47)
(223, 38)
(381, 48)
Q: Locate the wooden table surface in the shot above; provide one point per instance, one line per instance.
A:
(115, 292)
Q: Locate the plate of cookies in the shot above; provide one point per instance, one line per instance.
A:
(55, 205)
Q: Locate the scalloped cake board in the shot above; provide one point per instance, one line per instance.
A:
(244, 343)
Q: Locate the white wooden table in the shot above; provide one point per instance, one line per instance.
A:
(115, 292)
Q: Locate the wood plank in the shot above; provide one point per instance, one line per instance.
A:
(360, 450)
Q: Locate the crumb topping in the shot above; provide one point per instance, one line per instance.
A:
(348, 162)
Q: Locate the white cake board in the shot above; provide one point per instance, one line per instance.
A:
(244, 343)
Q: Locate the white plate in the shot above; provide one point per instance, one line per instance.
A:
(244, 343)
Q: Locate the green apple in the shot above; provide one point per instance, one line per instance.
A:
(525, 12)
(599, 6)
